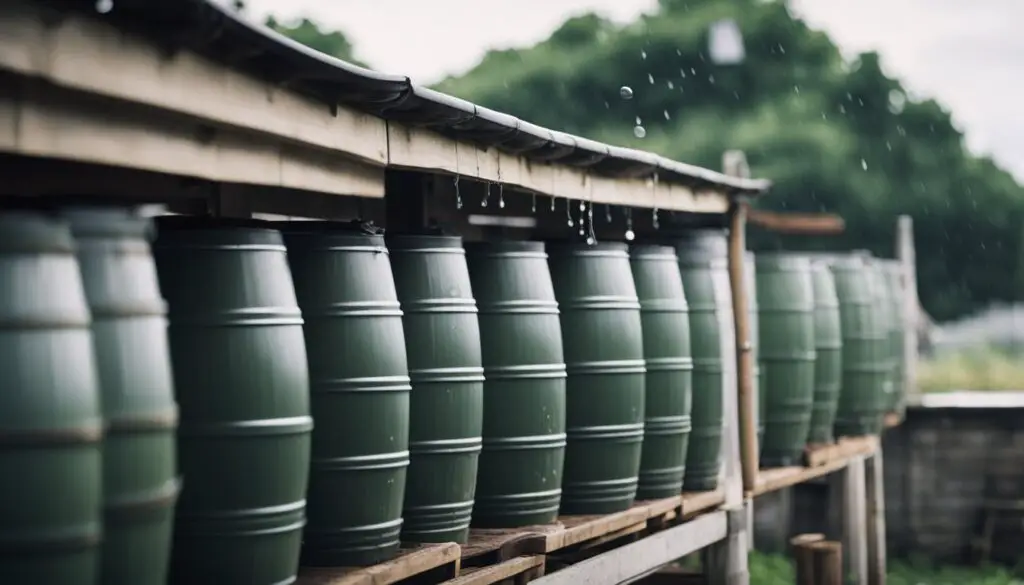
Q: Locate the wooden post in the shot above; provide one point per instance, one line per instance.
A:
(803, 558)
(907, 257)
(848, 518)
(876, 548)
(827, 562)
(726, 560)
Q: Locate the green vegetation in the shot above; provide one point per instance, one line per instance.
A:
(834, 135)
(777, 570)
(981, 368)
(307, 32)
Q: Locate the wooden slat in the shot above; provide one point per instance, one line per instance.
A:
(845, 448)
(496, 573)
(410, 563)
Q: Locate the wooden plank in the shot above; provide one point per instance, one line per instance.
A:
(845, 448)
(579, 529)
(770, 480)
(499, 572)
(637, 559)
(847, 500)
(442, 558)
(827, 559)
(875, 492)
(797, 223)
(697, 502)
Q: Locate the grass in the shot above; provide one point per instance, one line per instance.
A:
(778, 570)
(974, 369)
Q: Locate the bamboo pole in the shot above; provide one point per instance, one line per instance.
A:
(735, 164)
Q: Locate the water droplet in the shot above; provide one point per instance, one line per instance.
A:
(626, 92)
(670, 85)
(630, 235)
(643, 54)
(650, 78)
(863, 164)
(682, 74)
(796, 88)
(711, 79)
(591, 241)
(104, 6)
(639, 131)
(666, 114)
(638, 121)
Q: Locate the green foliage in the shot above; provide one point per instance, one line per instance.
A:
(979, 368)
(833, 135)
(307, 32)
(777, 570)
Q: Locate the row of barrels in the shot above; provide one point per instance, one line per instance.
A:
(493, 384)
(830, 348)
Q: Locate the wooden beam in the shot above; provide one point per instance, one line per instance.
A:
(822, 224)
(803, 557)
(875, 493)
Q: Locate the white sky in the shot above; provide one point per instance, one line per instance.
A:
(967, 54)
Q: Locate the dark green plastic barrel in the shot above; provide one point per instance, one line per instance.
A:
(243, 388)
(703, 265)
(359, 392)
(520, 477)
(134, 364)
(786, 298)
(828, 346)
(668, 395)
(50, 418)
(604, 356)
(442, 340)
(750, 287)
(866, 365)
(894, 283)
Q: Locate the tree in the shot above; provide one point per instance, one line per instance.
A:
(307, 32)
(834, 135)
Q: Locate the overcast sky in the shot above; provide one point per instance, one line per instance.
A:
(966, 54)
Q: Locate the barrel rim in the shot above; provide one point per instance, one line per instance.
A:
(419, 241)
(28, 231)
(325, 227)
(486, 247)
(652, 250)
(559, 247)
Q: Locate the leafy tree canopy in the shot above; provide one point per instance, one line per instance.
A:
(834, 135)
(307, 32)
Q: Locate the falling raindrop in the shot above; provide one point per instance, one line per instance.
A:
(501, 196)
(682, 74)
(711, 79)
(666, 114)
(650, 78)
(568, 214)
(679, 53)
(670, 85)
(863, 164)
(639, 121)
(608, 213)
(104, 6)
(626, 92)
(533, 203)
(629, 225)
(796, 88)
(639, 131)
(458, 196)
(654, 218)
(552, 203)
(487, 195)
(643, 54)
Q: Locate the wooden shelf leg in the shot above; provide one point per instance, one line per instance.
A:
(876, 519)
(848, 518)
(725, 562)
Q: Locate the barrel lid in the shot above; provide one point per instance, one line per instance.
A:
(34, 232)
(501, 246)
(419, 241)
(572, 248)
(653, 251)
(187, 230)
(110, 222)
(310, 233)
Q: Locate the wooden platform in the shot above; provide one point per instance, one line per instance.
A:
(495, 555)
(819, 460)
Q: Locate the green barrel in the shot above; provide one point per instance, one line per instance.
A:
(786, 294)
(866, 368)
(884, 306)
(345, 289)
(750, 287)
(442, 339)
(134, 364)
(50, 418)
(668, 394)
(242, 384)
(520, 477)
(894, 282)
(703, 265)
(828, 345)
(604, 356)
